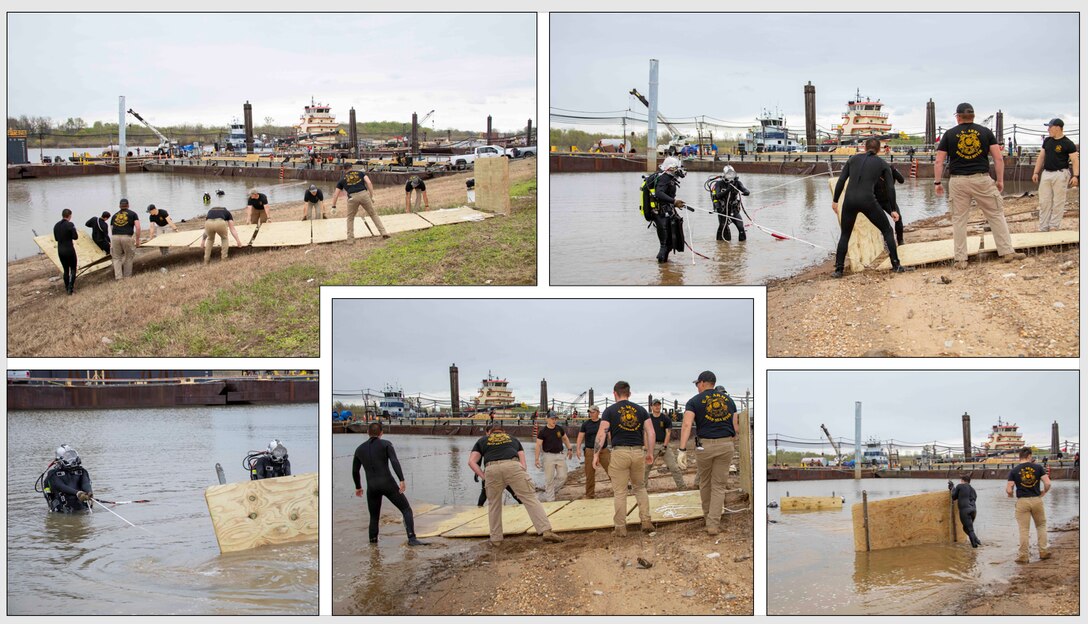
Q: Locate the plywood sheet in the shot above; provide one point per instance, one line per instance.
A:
(1034, 240)
(811, 503)
(671, 507)
(907, 521)
(744, 452)
(396, 223)
(587, 514)
(866, 242)
(336, 229)
(269, 511)
(282, 234)
(183, 238)
(446, 518)
(453, 215)
(245, 233)
(515, 520)
(89, 256)
(917, 254)
(493, 184)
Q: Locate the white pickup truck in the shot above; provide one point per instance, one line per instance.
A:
(521, 152)
(463, 161)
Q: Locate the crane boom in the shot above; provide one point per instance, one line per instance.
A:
(163, 141)
(838, 453)
(426, 117)
(660, 117)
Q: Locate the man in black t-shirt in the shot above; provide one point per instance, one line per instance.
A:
(313, 204)
(64, 232)
(1059, 164)
(483, 484)
(125, 226)
(1024, 479)
(631, 433)
(159, 219)
(552, 451)
(100, 230)
(968, 146)
(711, 411)
(360, 191)
(662, 437)
(415, 185)
(257, 208)
(504, 461)
(587, 434)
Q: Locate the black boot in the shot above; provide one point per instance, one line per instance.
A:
(663, 254)
(743, 236)
(837, 273)
(898, 268)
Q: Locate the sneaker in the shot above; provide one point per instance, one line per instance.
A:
(385, 235)
(1021, 559)
(1014, 256)
(837, 273)
(1043, 554)
(713, 530)
(960, 264)
(549, 536)
(647, 526)
(902, 269)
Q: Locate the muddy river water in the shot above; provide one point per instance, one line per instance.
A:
(812, 567)
(95, 564)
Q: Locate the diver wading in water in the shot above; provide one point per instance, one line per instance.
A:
(659, 204)
(965, 497)
(269, 463)
(725, 191)
(66, 484)
(374, 457)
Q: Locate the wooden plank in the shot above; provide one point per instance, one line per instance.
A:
(89, 256)
(811, 503)
(587, 514)
(453, 215)
(515, 520)
(396, 223)
(269, 511)
(183, 238)
(906, 521)
(917, 254)
(283, 234)
(493, 184)
(744, 452)
(670, 507)
(446, 518)
(245, 232)
(866, 242)
(1034, 240)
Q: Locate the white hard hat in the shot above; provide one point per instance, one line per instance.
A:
(729, 173)
(672, 162)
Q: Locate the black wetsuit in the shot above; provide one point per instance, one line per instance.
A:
(670, 226)
(890, 205)
(965, 496)
(483, 491)
(264, 468)
(100, 232)
(375, 456)
(726, 197)
(64, 232)
(863, 171)
(61, 486)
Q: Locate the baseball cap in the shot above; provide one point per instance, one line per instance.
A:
(656, 402)
(254, 192)
(123, 202)
(965, 109)
(594, 408)
(150, 207)
(706, 376)
(313, 187)
(1056, 122)
(551, 414)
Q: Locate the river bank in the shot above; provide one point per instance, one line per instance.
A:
(1028, 308)
(262, 302)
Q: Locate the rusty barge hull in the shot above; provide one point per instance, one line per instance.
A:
(225, 392)
(953, 474)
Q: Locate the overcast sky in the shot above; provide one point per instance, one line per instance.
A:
(732, 66)
(201, 68)
(923, 407)
(656, 346)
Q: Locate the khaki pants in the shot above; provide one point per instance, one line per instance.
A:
(417, 199)
(1052, 187)
(1028, 510)
(555, 474)
(313, 212)
(500, 474)
(354, 202)
(591, 472)
(712, 474)
(626, 466)
(981, 189)
(257, 217)
(123, 250)
(213, 228)
(669, 453)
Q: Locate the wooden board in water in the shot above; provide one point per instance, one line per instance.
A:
(453, 215)
(907, 521)
(671, 507)
(811, 503)
(515, 520)
(446, 518)
(396, 223)
(283, 234)
(269, 511)
(587, 514)
(1034, 240)
(89, 256)
(917, 254)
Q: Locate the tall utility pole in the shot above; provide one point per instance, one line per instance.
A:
(857, 440)
(121, 149)
(455, 393)
(966, 418)
(810, 116)
(651, 132)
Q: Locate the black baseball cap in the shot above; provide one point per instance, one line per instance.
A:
(965, 109)
(1056, 122)
(706, 376)
(150, 207)
(656, 402)
(123, 202)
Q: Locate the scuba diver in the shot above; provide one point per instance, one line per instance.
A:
(220, 192)
(889, 205)
(65, 483)
(725, 191)
(207, 198)
(863, 170)
(269, 463)
(965, 496)
(663, 204)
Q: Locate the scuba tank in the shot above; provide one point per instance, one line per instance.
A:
(648, 204)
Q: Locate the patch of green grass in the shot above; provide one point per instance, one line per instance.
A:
(274, 316)
(528, 187)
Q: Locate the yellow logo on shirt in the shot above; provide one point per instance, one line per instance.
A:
(968, 144)
(1028, 479)
(1058, 148)
(120, 219)
(717, 408)
(629, 418)
(498, 439)
(353, 178)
